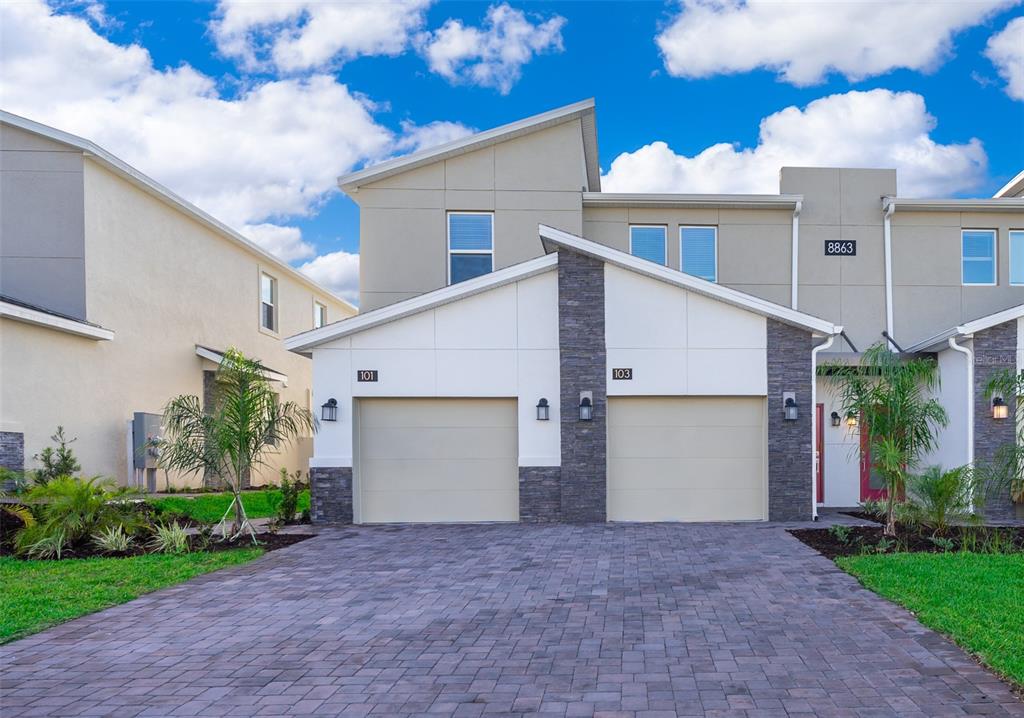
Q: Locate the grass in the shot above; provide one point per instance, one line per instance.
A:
(38, 594)
(976, 599)
(208, 508)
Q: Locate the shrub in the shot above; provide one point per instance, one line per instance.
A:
(69, 512)
(873, 508)
(170, 539)
(291, 487)
(113, 539)
(57, 462)
(841, 533)
(937, 498)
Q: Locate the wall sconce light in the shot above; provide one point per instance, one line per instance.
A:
(1000, 409)
(791, 410)
(586, 406)
(851, 420)
(836, 418)
(543, 410)
(329, 411)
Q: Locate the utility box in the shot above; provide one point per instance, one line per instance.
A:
(145, 429)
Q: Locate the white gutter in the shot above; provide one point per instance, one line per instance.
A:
(814, 421)
(969, 353)
(796, 254)
(890, 207)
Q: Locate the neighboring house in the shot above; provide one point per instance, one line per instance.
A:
(687, 320)
(118, 295)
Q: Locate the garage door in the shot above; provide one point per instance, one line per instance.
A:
(437, 460)
(686, 458)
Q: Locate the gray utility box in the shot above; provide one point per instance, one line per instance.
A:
(146, 428)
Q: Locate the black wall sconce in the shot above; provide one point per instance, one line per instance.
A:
(329, 411)
(586, 406)
(1000, 409)
(836, 419)
(791, 410)
(543, 410)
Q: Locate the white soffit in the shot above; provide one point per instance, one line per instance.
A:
(46, 319)
(217, 357)
(941, 341)
(694, 201)
(558, 238)
(996, 204)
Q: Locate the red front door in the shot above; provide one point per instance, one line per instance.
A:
(872, 486)
(819, 456)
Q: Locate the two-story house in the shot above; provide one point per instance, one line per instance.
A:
(531, 348)
(117, 295)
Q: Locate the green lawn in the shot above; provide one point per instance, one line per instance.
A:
(976, 599)
(208, 508)
(38, 594)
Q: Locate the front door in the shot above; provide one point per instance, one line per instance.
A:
(872, 485)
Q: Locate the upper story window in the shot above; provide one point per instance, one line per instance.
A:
(978, 252)
(1017, 256)
(470, 245)
(698, 249)
(319, 315)
(268, 302)
(648, 242)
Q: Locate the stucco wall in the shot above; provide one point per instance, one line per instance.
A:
(842, 449)
(163, 283)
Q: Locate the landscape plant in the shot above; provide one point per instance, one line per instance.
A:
(56, 460)
(937, 498)
(892, 396)
(170, 538)
(233, 437)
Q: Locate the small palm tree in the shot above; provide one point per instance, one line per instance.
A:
(232, 437)
(891, 395)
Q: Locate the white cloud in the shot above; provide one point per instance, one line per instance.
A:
(805, 41)
(879, 128)
(1006, 51)
(304, 35)
(419, 137)
(285, 243)
(494, 55)
(338, 271)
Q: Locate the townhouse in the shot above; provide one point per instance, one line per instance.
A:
(116, 295)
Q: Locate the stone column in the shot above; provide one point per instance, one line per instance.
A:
(330, 491)
(540, 494)
(790, 452)
(995, 350)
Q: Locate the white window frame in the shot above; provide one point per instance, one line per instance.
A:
(698, 226)
(318, 305)
(448, 234)
(664, 240)
(995, 257)
(275, 302)
(1009, 250)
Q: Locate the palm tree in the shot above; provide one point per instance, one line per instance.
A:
(891, 395)
(230, 439)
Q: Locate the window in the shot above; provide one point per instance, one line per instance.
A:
(470, 245)
(319, 315)
(648, 242)
(268, 302)
(1017, 256)
(978, 251)
(698, 249)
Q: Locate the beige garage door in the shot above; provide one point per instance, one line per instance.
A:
(686, 458)
(437, 460)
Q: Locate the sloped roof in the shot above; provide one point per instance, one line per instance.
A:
(583, 111)
(152, 187)
(1013, 188)
(941, 340)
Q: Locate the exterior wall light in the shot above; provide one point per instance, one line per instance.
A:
(851, 420)
(835, 418)
(1000, 409)
(586, 409)
(792, 409)
(543, 410)
(329, 411)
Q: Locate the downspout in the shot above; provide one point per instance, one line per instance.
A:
(796, 253)
(890, 207)
(969, 353)
(814, 421)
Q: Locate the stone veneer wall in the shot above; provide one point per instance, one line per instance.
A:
(995, 350)
(582, 362)
(540, 494)
(330, 494)
(12, 450)
(790, 454)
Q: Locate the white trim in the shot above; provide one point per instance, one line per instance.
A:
(1009, 252)
(45, 319)
(448, 232)
(154, 188)
(814, 424)
(998, 204)
(698, 226)
(969, 329)
(558, 238)
(274, 294)
(794, 291)
(351, 182)
(216, 357)
(302, 343)
(1012, 187)
(887, 241)
(995, 257)
(696, 201)
(664, 239)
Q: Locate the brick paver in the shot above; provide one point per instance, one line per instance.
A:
(616, 620)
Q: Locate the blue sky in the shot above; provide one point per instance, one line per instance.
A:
(274, 102)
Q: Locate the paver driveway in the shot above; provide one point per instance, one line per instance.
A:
(646, 620)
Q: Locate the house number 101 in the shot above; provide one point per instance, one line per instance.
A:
(366, 375)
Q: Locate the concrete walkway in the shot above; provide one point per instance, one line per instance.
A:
(615, 620)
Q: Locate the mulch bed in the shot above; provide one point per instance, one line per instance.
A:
(866, 539)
